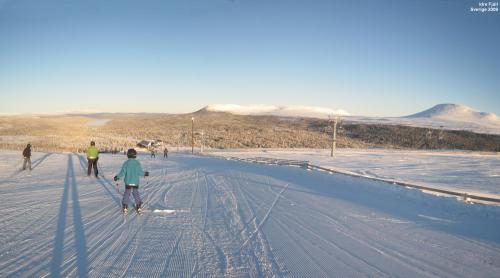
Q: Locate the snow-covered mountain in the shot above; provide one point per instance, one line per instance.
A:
(273, 110)
(457, 112)
(443, 116)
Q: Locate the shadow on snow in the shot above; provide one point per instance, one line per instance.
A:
(467, 220)
(80, 242)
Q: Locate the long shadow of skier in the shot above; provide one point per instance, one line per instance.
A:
(103, 181)
(40, 160)
(34, 164)
(80, 241)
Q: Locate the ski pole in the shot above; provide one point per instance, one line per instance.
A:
(100, 169)
(118, 189)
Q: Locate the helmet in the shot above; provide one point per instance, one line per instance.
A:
(92, 143)
(29, 145)
(131, 153)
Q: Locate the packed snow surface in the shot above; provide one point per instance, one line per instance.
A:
(283, 111)
(232, 219)
(464, 171)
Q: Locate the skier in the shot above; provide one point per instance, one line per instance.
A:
(27, 157)
(165, 152)
(153, 153)
(92, 157)
(132, 170)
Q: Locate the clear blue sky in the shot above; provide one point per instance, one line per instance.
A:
(378, 58)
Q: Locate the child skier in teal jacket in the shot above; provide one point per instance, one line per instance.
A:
(132, 170)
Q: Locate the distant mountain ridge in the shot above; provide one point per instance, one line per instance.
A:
(274, 110)
(442, 116)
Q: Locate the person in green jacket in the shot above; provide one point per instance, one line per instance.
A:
(132, 171)
(92, 157)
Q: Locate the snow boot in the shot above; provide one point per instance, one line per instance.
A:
(138, 208)
(125, 209)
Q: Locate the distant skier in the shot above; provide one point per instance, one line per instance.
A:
(27, 157)
(92, 157)
(165, 152)
(153, 153)
(132, 170)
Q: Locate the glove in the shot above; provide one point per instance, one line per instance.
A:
(116, 178)
(146, 174)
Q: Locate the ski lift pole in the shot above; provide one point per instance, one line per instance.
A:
(192, 135)
(334, 136)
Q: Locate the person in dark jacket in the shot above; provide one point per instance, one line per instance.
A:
(27, 157)
(165, 152)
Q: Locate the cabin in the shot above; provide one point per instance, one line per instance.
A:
(147, 144)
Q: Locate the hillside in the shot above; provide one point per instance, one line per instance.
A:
(226, 130)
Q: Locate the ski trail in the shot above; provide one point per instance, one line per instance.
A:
(166, 266)
(232, 220)
(265, 216)
(261, 254)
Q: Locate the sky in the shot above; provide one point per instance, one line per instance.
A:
(371, 58)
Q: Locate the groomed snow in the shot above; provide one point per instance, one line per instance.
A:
(473, 172)
(233, 219)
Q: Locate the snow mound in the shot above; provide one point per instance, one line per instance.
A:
(283, 111)
(164, 211)
(457, 112)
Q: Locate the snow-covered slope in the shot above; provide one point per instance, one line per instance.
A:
(447, 170)
(232, 219)
(283, 111)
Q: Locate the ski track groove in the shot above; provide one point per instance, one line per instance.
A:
(379, 249)
(266, 216)
(264, 256)
(342, 249)
(165, 270)
(231, 229)
(311, 258)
